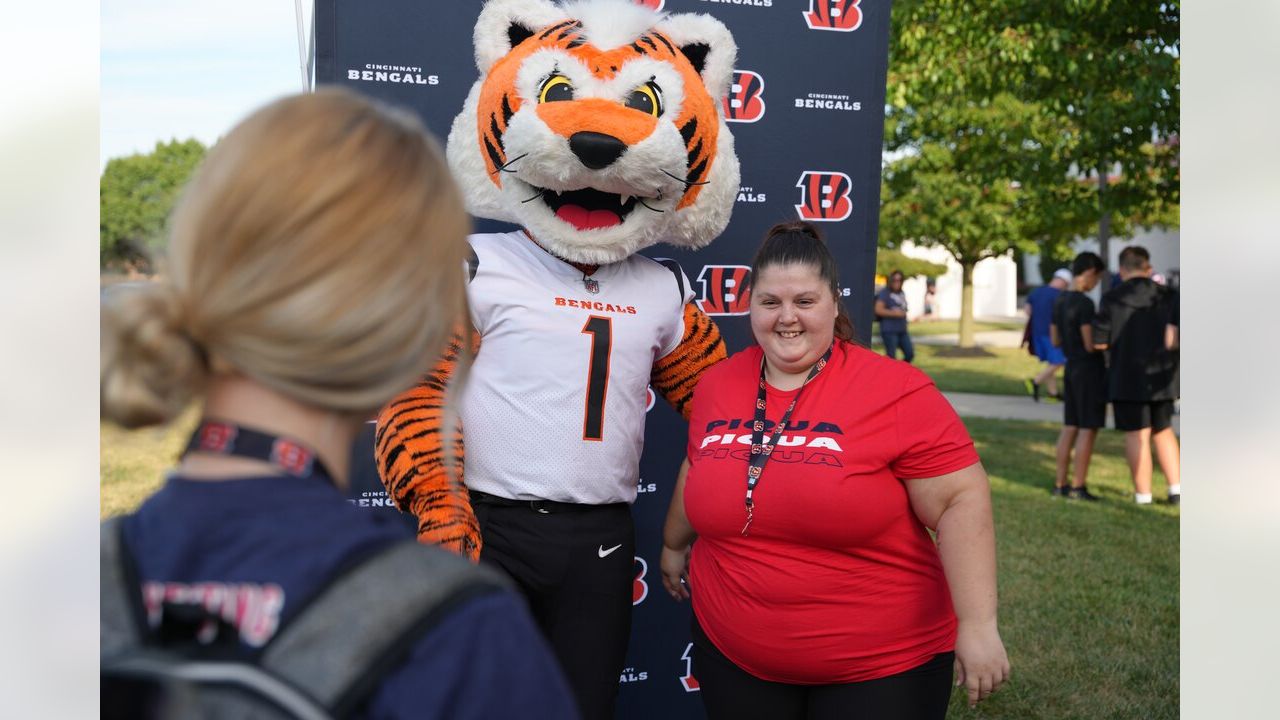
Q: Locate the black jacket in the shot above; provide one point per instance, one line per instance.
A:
(1131, 321)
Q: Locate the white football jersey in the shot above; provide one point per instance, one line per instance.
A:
(554, 405)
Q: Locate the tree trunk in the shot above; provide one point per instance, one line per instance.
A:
(966, 303)
(1104, 229)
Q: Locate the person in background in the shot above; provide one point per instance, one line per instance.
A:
(1039, 309)
(930, 299)
(1085, 379)
(817, 589)
(1137, 325)
(288, 309)
(891, 309)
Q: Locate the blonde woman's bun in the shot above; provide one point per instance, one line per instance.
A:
(318, 250)
(151, 366)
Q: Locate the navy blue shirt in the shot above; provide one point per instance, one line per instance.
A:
(1041, 301)
(257, 548)
(892, 301)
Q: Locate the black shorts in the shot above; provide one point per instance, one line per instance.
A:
(1154, 414)
(1084, 395)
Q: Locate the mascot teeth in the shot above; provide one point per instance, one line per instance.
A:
(588, 208)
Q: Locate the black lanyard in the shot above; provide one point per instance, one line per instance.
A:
(287, 454)
(760, 450)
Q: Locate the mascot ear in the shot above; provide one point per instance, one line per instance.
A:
(708, 45)
(504, 24)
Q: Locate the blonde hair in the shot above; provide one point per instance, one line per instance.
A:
(318, 250)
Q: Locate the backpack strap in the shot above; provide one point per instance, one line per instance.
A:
(356, 630)
(123, 620)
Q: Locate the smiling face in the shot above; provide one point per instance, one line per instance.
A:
(793, 315)
(598, 133)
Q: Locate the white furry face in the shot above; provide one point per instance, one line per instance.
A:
(598, 152)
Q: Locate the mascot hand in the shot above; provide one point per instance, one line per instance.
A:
(410, 452)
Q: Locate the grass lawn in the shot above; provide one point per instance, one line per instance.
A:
(1088, 591)
(1001, 371)
(952, 327)
(133, 462)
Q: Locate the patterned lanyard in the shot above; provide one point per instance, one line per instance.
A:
(760, 450)
(291, 456)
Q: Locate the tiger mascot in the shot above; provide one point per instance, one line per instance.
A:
(595, 126)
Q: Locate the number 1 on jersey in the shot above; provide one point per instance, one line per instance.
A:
(601, 331)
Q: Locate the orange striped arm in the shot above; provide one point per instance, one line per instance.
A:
(676, 375)
(410, 452)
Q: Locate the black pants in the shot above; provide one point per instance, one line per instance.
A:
(731, 693)
(575, 566)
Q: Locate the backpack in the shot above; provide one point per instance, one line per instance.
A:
(324, 662)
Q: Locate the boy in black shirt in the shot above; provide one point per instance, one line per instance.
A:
(1085, 378)
(1138, 325)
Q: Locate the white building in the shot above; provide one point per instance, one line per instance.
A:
(995, 285)
(1163, 244)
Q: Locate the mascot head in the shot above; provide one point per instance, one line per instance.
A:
(597, 126)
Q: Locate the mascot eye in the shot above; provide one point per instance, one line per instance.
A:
(647, 99)
(555, 88)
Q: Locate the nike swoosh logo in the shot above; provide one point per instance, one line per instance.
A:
(605, 553)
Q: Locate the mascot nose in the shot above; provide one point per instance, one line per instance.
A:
(596, 150)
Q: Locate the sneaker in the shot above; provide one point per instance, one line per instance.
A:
(1081, 493)
(1058, 491)
(1175, 499)
(1033, 389)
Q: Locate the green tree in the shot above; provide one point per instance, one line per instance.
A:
(992, 150)
(888, 260)
(136, 194)
(934, 197)
(891, 259)
(1110, 68)
(978, 167)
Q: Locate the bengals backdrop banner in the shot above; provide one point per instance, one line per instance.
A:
(806, 112)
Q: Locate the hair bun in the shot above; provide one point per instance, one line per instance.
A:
(796, 227)
(151, 366)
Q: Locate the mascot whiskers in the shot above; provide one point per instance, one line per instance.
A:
(596, 127)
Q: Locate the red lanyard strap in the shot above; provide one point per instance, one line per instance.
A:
(761, 450)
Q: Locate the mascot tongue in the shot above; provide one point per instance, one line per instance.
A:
(585, 219)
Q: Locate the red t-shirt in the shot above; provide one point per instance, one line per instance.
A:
(838, 580)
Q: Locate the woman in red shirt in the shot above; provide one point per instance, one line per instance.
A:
(817, 589)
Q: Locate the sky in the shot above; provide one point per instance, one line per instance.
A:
(181, 69)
